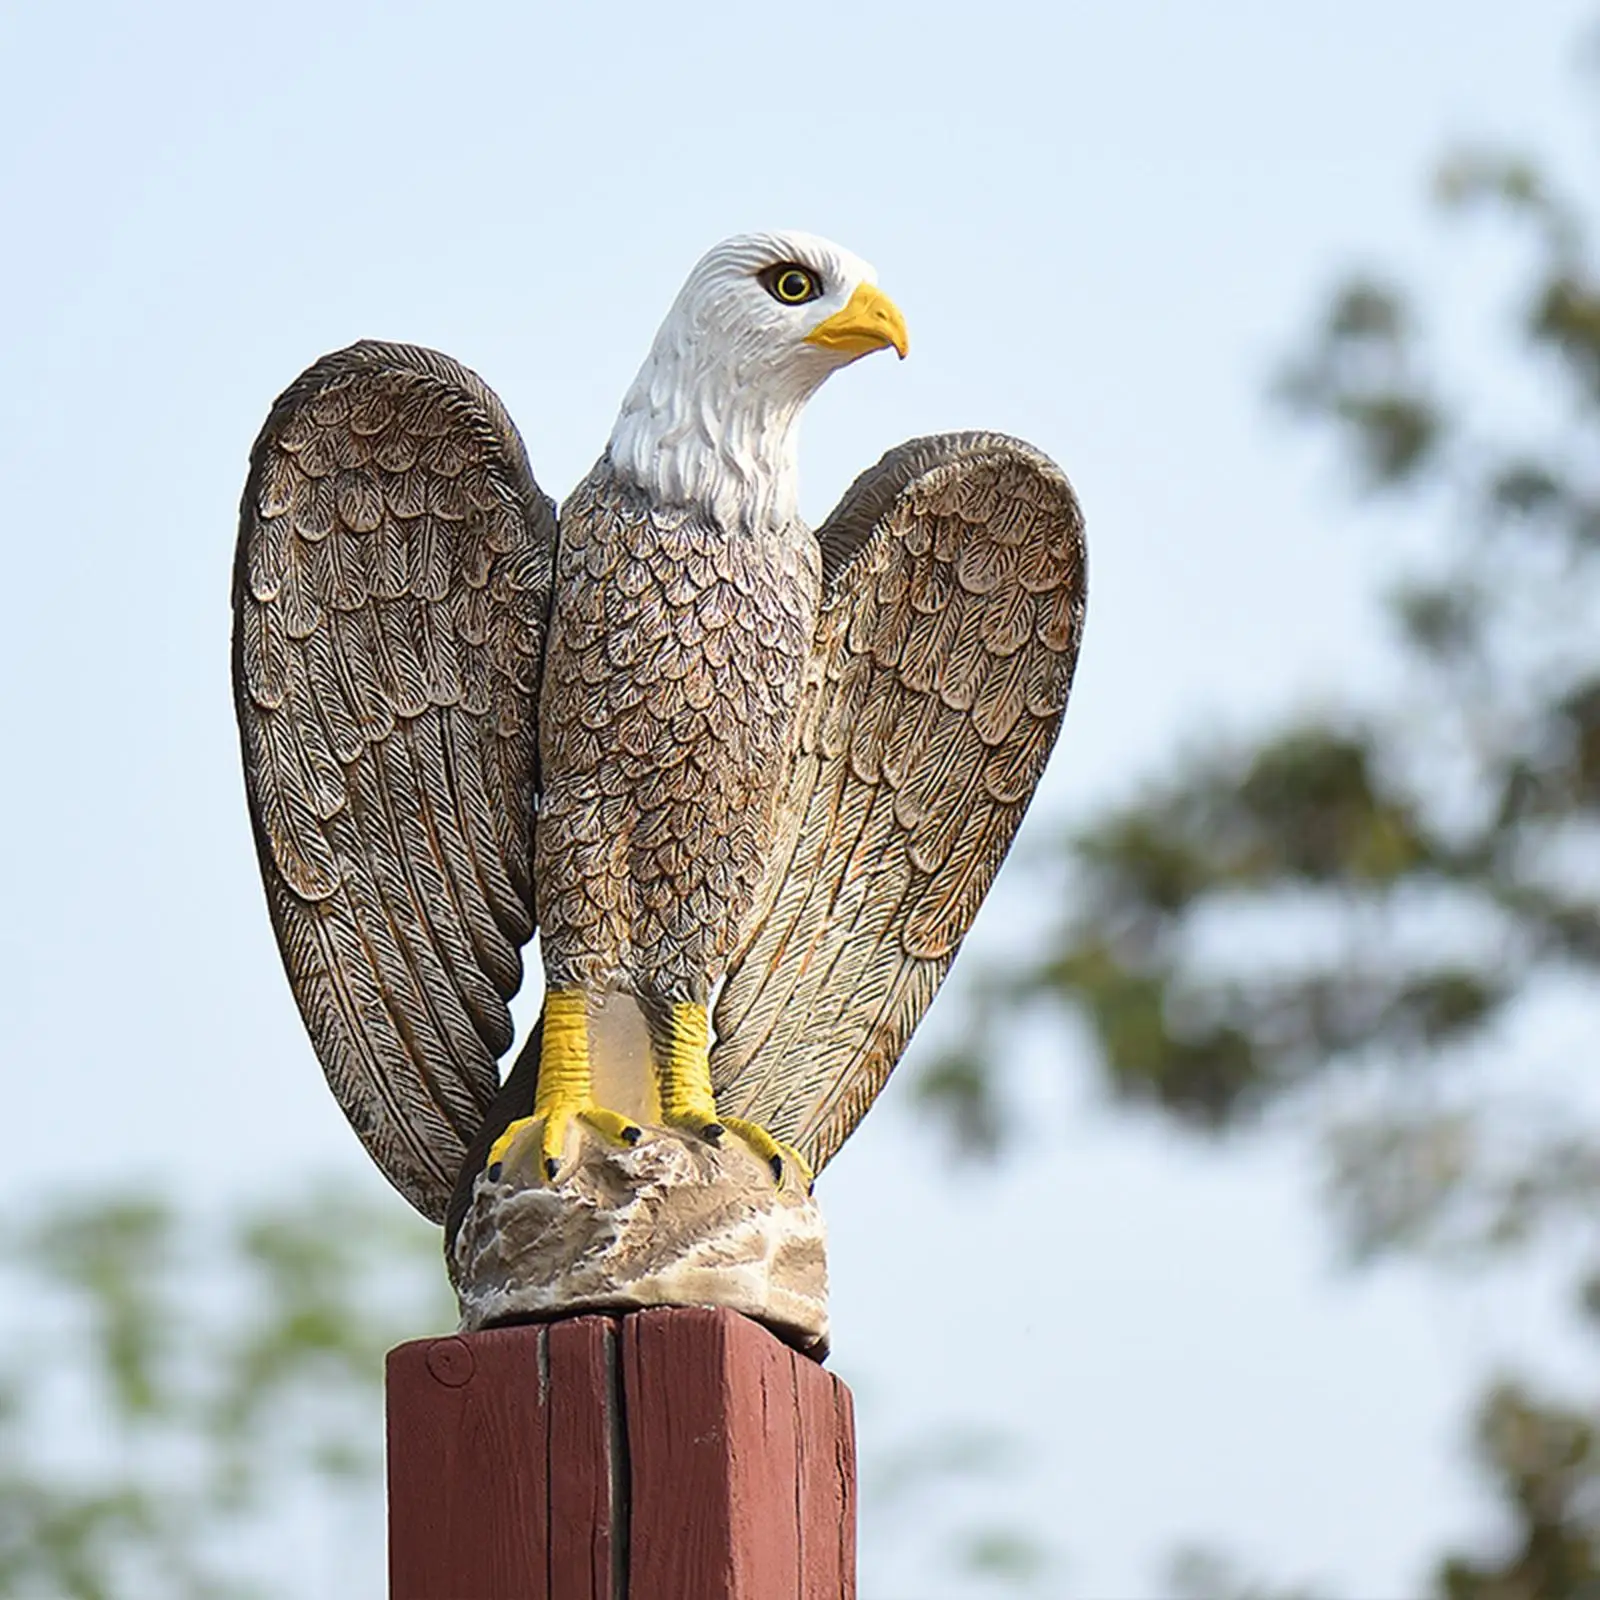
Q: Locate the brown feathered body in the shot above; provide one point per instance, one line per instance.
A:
(674, 661)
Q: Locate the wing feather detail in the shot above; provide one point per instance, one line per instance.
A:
(954, 592)
(390, 595)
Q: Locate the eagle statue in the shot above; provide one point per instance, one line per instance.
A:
(748, 779)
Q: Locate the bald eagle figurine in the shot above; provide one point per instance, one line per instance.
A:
(713, 755)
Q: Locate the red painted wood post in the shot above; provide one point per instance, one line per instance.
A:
(661, 1455)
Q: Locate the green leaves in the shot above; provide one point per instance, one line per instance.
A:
(899, 1488)
(225, 1369)
(1360, 372)
(1310, 827)
(1547, 1467)
(116, 1258)
(1199, 1573)
(1565, 317)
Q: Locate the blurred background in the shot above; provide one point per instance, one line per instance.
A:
(1230, 1229)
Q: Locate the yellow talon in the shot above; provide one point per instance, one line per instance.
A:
(781, 1158)
(610, 1125)
(687, 1100)
(550, 1133)
(564, 1091)
(497, 1151)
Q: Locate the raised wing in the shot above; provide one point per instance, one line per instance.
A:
(390, 594)
(953, 606)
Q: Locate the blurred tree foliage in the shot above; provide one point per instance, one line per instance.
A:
(175, 1393)
(935, 1518)
(184, 1399)
(1361, 912)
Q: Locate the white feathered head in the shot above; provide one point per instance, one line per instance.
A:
(711, 420)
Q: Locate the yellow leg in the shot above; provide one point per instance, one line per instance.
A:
(684, 1081)
(564, 1091)
(687, 1100)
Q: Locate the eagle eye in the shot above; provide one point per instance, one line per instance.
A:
(791, 284)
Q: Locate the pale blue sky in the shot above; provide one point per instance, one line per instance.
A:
(1104, 223)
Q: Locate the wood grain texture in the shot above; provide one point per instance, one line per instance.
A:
(743, 1463)
(587, 1461)
(468, 1447)
(665, 1455)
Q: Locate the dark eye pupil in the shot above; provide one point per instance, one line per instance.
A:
(790, 283)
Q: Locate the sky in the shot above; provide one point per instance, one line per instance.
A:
(1106, 225)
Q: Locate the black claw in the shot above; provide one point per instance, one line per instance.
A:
(551, 1168)
(712, 1132)
(495, 1169)
(776, 1163)
(631, 1135)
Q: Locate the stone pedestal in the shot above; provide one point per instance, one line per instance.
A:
(672, 1221)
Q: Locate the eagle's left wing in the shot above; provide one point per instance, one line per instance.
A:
(954, 587)
(390, 593)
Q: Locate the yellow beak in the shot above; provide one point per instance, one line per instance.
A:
(870, 321)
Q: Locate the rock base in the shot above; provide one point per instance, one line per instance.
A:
(672, 1221)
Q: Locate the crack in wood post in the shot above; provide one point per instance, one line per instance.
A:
(619, 1482)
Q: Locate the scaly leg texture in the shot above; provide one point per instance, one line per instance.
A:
(684, 1083)
(564, 1091)
(683, 1074)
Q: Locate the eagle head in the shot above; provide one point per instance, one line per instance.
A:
(711, 422)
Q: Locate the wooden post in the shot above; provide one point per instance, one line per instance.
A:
(659, 1455)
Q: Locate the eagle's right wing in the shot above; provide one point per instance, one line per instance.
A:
(953, 600)
(390, 596)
